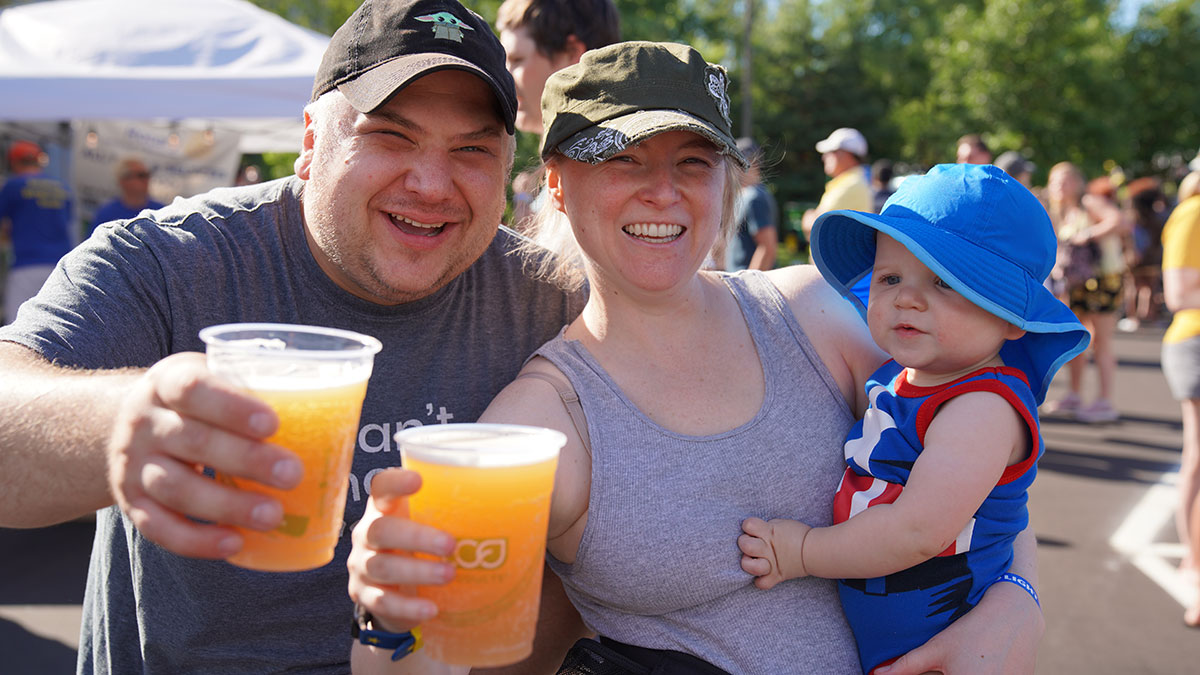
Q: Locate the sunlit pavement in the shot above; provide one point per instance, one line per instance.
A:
(1103, 507)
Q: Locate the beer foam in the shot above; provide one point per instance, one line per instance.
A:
(280, 371)
(275, 344)
(480, 445)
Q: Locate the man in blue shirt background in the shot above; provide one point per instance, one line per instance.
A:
(133, 180)
(35, 215)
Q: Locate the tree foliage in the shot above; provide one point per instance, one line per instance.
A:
(1056, 80)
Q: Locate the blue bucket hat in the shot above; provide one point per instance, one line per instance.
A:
(986, 236)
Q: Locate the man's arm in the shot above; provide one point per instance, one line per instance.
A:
(64, 432)
(55, 422)
(766, 242)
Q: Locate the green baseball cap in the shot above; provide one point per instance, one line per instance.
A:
(622, 94)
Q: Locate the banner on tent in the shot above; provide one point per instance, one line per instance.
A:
(185, 159)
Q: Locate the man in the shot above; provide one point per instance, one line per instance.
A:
(1014, 164)
(35, 215)
(971, 149)
(390, 228)
(133, 182)
(541, 37)
(842, 157)
(755, 243)
(882, 172)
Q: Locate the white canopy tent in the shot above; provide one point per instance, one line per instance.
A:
(187, 84)
(146, 59)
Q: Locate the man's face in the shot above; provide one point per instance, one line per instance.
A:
(530, 68)
(837, 162)
(972, 154)
(400, 201)
(134, 182)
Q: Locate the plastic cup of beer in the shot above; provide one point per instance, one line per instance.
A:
(315, 379)
(489, 486)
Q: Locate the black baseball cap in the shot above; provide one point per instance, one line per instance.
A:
(387, 44)
(622, 94)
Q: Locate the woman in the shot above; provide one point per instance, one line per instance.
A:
(1088, 279)
(689, 381)
(1181, 362)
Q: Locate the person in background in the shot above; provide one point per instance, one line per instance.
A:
(1181, 364)
(1143, 253)
(842, 157)
(389, 227)
(249, 175)
(35, 216)
(881, 182)
(971, 149)
(133, 180)
(1088, 278)
(1014, 164)
(754, 244)
(541, 37)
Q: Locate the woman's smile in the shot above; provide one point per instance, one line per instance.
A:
(655, 233)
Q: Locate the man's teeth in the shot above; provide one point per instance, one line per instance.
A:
(430, 228)
(654, 231)
(427, 226)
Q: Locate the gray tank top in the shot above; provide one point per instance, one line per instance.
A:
(658, 565)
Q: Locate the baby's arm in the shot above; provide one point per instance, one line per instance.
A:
(969, 442)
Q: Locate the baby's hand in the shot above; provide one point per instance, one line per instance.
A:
(764, 544)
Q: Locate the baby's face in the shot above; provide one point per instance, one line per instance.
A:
(925, 324)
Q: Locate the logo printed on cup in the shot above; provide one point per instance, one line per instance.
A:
(487, 554)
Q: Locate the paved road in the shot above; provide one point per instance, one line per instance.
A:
(1101, 506)
(1104, 613)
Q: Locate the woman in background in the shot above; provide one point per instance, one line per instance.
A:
(1088, 278)
(1181, 362)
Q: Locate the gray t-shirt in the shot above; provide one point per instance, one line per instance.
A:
(141, 289)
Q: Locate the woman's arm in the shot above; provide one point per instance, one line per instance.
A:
(999, 637)
(1106, 219)
(1181, 288)
(382, 569)
(1180, 273)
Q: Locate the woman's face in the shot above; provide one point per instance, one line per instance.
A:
(647, 217)
(1063, 185)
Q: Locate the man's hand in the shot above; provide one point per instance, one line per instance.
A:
(178, 419)
(382, 566)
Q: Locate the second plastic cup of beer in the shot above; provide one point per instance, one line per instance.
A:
(315, 379)
(489, 486)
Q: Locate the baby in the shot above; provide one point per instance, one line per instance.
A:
(938, 467)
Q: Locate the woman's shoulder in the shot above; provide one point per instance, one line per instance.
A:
(810, 297)
(832, 324)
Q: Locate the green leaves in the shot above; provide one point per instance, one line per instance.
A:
(1056, 80)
